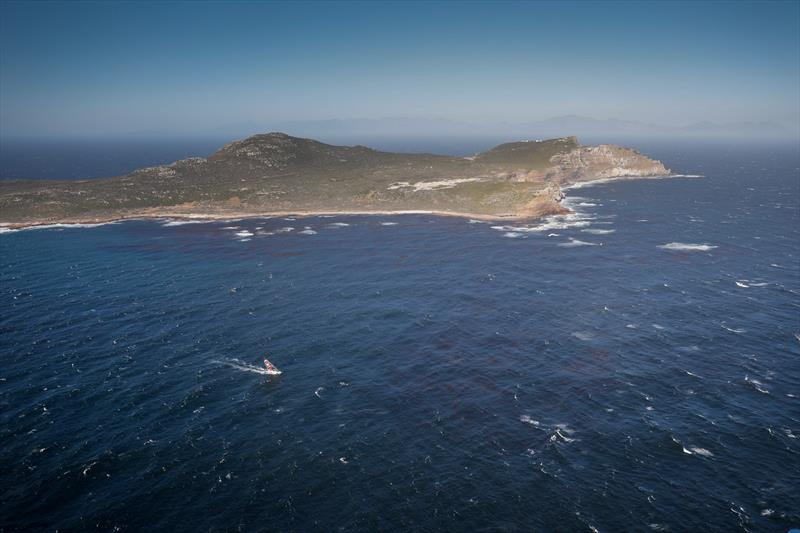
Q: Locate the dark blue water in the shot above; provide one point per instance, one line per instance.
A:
(633, 367)
(94, 158)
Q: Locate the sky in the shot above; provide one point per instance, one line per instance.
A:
(114, 69)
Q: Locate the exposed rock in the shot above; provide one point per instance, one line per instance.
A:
(602, 162)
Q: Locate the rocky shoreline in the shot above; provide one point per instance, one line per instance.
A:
(550, 208)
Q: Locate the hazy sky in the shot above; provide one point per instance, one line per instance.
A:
(112, 68)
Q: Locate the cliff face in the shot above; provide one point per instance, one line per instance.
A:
(602, 162)
(278, 173)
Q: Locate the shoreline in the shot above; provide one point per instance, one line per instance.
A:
(219, 217)
(153, 214)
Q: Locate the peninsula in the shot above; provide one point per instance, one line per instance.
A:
(277, 174)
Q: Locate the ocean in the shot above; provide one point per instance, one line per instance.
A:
(634, 366)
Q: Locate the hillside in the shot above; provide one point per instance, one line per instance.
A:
(276, 173)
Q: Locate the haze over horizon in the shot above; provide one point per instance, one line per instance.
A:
(85, 69)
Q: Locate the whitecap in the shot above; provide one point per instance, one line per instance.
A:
(733, 330)
(575, 242)
(558, 435)
(756, 385)
(338, 225)
(742, 284)
(565, 428)
(687, 247)
(594, 231)
(171, 223)
(528, 420)
(244, 233)
(388, 223)
(512, 234)
(583, 335)
(307, 232)
(555, 222)
(287, 229)
(58, 226)
(696, 450)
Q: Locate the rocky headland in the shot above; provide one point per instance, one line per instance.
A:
(277, 174)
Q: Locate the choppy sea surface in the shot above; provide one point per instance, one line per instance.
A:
(632, 367)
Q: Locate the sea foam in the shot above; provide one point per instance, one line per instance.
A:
(687, 247)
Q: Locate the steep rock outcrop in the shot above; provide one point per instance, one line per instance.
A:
(602, 162)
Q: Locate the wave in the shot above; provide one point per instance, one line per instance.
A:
(575, 242)
(244, 233)
(307, 231)
(733, 330)
(388, 223)
(513, 234)
(338, 225)
(757, 385)
(528, 420)
(170, 223)
(554, 222)
(597, 231)
(696, 450)
(4, 229)
(687, 247)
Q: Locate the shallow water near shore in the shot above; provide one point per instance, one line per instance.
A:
(633, 366)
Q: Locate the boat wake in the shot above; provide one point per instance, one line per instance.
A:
(246, 367)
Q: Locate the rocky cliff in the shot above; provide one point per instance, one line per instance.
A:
(602, 162)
